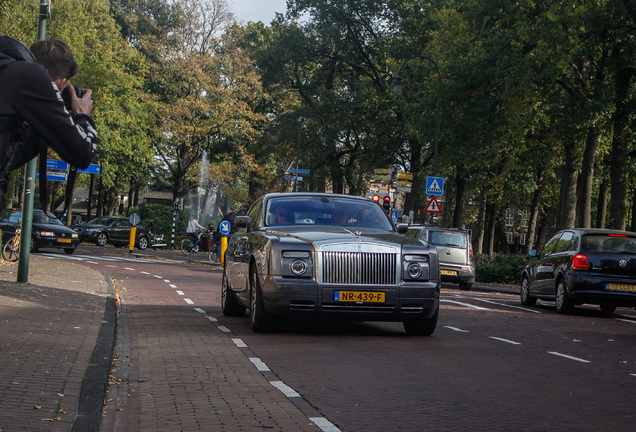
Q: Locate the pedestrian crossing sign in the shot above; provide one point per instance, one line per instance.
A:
(433, 206)
(434, 185)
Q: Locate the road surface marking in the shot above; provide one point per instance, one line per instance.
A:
(260, 364)
(507, 305)
(181, 293)
(146, 273)
(505, 340)
(324, 424)
(464, 304)
(211, 319)
(201, 311)
(188, 301)
(285, 389)
(173, 286)
(224, 329)
(625, 320)
(239, 343)
(569, 357)
(456, 329)
(131, 269)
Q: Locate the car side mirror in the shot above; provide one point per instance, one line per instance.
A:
(402, 228)
(532, 253)
(243, 222)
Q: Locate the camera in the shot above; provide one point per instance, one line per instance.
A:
(66, 95)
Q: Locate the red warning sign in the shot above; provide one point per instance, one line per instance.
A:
(433, 206)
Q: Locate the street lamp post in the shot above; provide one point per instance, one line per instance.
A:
(297, 120)
(398, 86)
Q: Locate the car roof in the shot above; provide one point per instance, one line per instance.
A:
(599, 231)
(313, 194)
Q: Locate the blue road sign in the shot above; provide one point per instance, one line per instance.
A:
(92, 169)
(291, 177)
(394, 215)
(300, 171)
(434, 185)
(53, 164)
(53, 175)
(224, 227)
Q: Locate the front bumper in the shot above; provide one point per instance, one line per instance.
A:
(56, 242)
(293, 297)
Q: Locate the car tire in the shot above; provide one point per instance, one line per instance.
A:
(562, 300)
(607, 308)
(142, 243)
(422, 327)
(524, 293)
(34, 246)
(465, 286)
(69, 251)
(260, 320)
(101, 239)
(229, 306)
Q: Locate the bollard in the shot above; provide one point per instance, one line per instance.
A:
(133, 236)
(223, 248)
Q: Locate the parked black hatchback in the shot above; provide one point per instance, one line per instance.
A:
(47, 231)
(579, 266)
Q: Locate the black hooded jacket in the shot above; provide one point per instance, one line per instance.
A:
(31, 107)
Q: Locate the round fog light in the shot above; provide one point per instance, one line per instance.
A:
(415, 271)
(298, 267)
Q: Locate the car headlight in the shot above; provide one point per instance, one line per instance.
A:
(47, 234)
(74, 235)
(414, 270)
(298, 267)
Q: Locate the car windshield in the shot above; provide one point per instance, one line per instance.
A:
(104, 220)
(46, 218)
(447, 238)
(320, 210)
(612, 243)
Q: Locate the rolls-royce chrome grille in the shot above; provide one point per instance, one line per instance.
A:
(359, 268)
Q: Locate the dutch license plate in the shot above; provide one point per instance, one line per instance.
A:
(359, 296)
(64, 240)
(620, 287)
(449, 272)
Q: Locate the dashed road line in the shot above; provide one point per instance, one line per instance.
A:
(456, 329)
(224, 329)
(505, 340)
(285, 389)
(464, 304)
(239, 343)
(569, 357)
(181, 293)
(324, 424)
(188, 301)
(260, 364)
(508, 306)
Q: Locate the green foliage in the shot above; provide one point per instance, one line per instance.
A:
(498, 268)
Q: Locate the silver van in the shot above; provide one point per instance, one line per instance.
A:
(454, 251)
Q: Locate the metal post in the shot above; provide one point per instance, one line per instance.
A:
(29, 176)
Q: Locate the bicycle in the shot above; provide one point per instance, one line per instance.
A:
(205, 245)
(11, 249)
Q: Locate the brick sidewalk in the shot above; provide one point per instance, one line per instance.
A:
(49, 328)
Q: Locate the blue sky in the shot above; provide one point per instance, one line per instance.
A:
(257, 10)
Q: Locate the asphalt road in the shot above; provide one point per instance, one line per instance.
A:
(491, 365)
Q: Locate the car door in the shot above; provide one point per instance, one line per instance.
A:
(119, 231)
(543, 267)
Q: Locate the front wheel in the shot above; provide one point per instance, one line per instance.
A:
(260, 320)
(101, 239)
(563, 303)
(187, 244)
(10, 251)
(422, 327)
(142, 243)
(524, 293)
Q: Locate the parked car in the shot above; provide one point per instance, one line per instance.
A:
(113, 230)
(47, 231)
(326, 255)
(579, 266)
(454, 250)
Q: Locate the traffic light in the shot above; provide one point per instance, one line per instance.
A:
(387, 203)
(376, 198)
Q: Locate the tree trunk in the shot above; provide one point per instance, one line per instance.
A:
(620, 145)
(481, 219)
(534, 213)
(567, 197)
(491, 228)
(460, 189)
(586, 180)
(100, 199)
(601, 208)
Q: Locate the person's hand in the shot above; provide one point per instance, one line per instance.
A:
(83, 105)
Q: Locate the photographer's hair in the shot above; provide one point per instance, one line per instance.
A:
(56, 57)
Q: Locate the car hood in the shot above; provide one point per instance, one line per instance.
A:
(334, 235)
(51, 227)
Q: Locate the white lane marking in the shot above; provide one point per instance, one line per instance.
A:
(285, 389)
(625, 320)
(211, 319)
(146, 273)
(324, 425)
(456, 329)
(173, 286)
(260, 364)
(166, 281)
(92, 262)
(158, 277)
(239, 343)
(507, 305)
(634, 375)
(464, 304)
(131, 269)
(569, 357)
(188, 301)
(224, 329)
(201, 311)
(505, 340)
(111, 266)
(180, 293)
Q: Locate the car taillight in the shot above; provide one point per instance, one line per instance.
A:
(580, 262)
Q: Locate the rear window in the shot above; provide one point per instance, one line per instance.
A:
(447, 238)
(608, 243)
